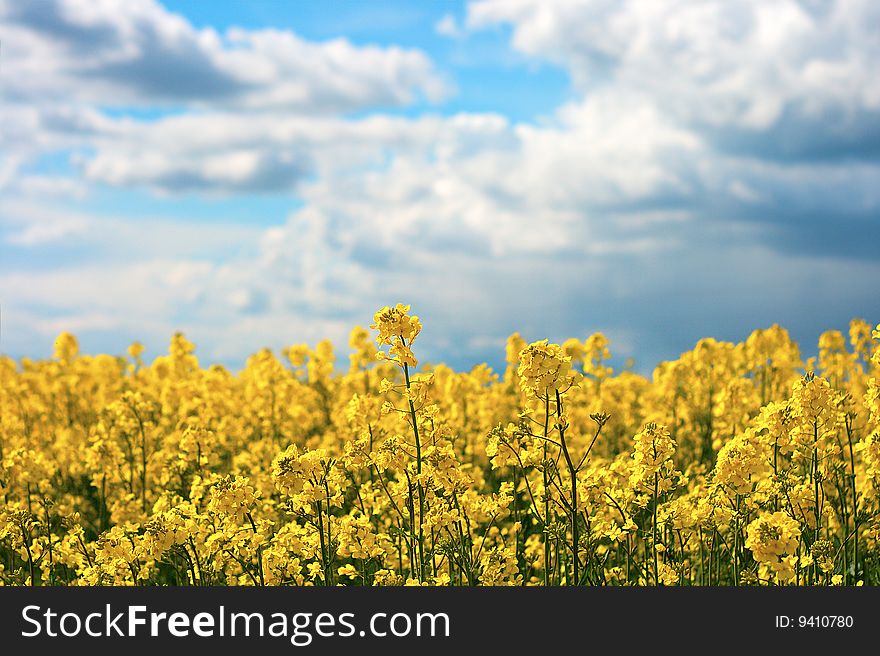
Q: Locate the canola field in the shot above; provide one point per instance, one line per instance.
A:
(736, 464)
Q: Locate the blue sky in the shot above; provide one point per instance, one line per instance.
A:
(267, 173)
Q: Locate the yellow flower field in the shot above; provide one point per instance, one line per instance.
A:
(737, 464)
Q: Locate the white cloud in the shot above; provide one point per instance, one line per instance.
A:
(230, 152)
(102, 238)
(48, 186)
(137, 52)
(746, 65)
(32, 226)
(448, 26)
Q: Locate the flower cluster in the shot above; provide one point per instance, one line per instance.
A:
(773, 538)
(544, 369)
(398, 330)
(653, 469)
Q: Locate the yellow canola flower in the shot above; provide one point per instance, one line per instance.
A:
(398, 330)
(773, 539)
(728, 465)
(544, 369)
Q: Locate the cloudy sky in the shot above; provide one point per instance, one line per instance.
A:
(267, 173)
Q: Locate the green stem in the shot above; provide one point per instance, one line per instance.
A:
(736, 543)
(574, 495)
(654, 528)
(546, 497)
(259, 550)
(421, 491)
